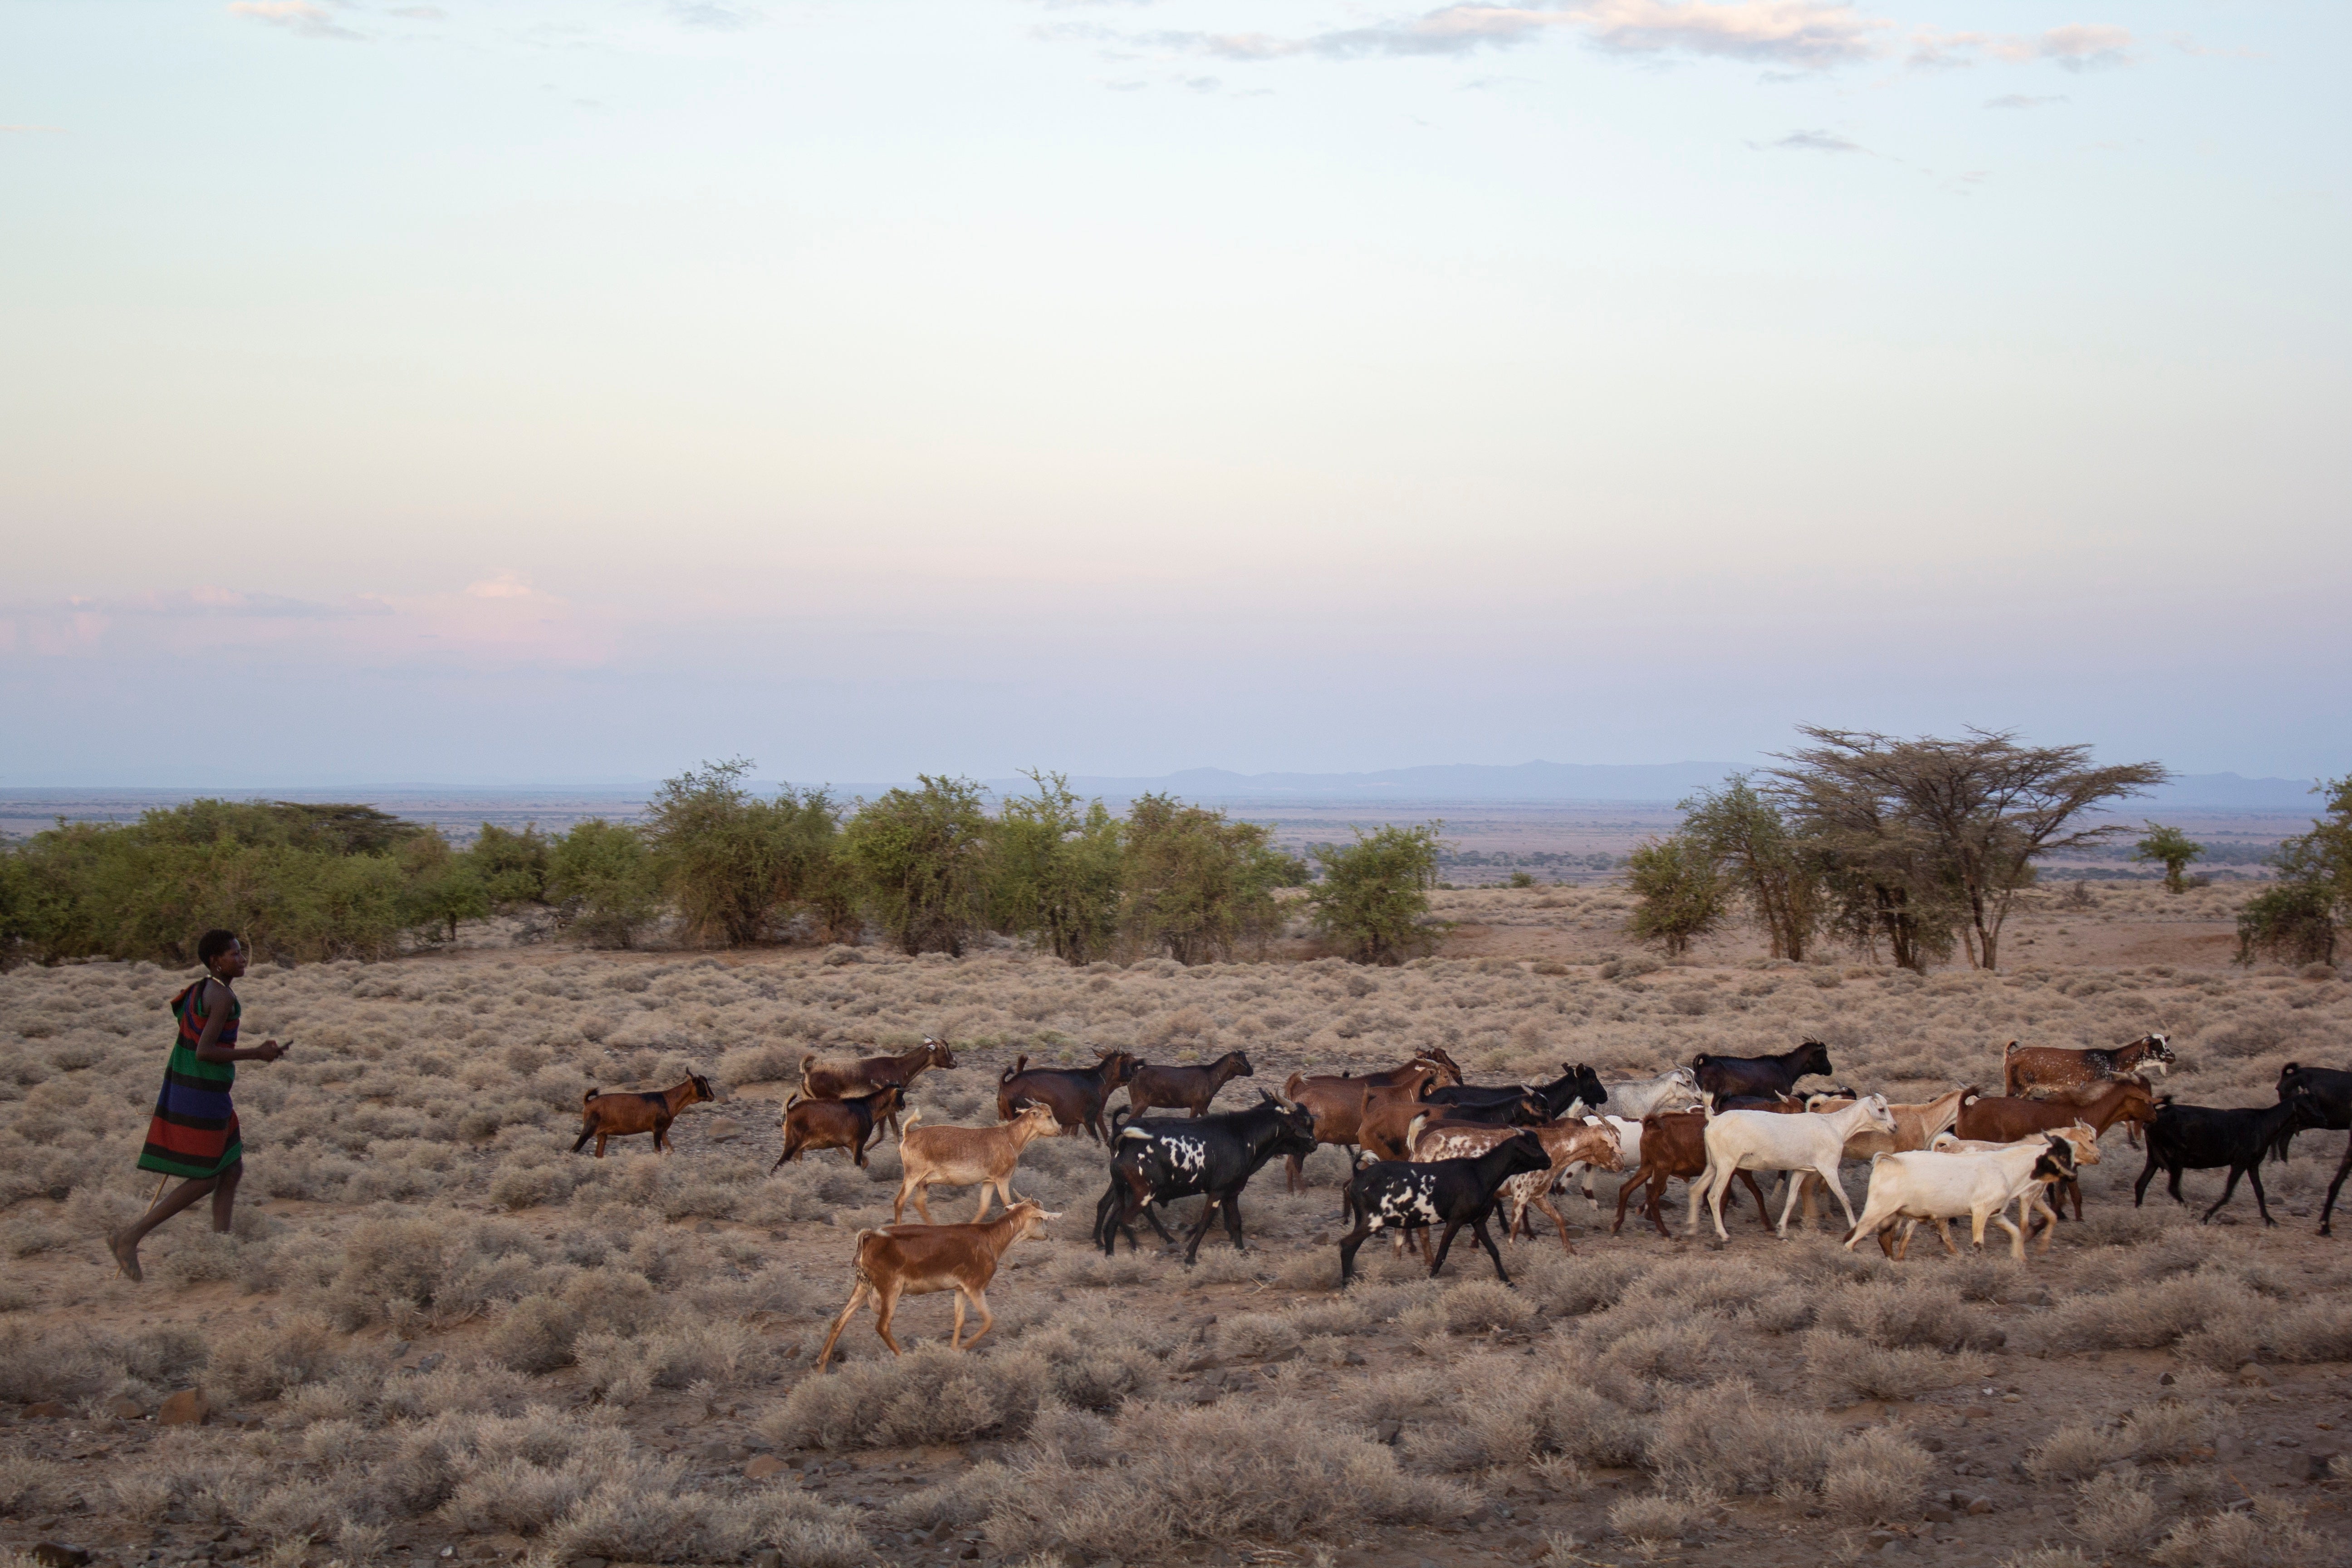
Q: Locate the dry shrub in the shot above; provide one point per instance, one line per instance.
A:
(28, 1485)
(263, 1363)
(2047, 1557)
(1873, 1475)
(1843, 1369)
(2147, 1316)
(2117, 1513)
(2273, 1536)
(1911, 1315)
(1674, 1351)
(535, 1336)
(2170, 1430)
(2077, 1449)
(1479, 1306)
(1587, 1283)
(1724, 1439)
(1257, 1336)
(1656, 1518)
(930, 1395)
(1215, 1473)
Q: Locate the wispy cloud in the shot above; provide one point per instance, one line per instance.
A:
(1799, 33)
(1815, 141)
(712, 17)
(303, 18)
(2078, 47)
(2025, 100)
(35, 130)
(421, 13)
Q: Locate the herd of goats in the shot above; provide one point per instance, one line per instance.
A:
(1432, 1151)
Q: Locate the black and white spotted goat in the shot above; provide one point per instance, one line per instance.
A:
(1213, 1157)
(1450, 1192)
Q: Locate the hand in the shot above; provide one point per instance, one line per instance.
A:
(269, 1050)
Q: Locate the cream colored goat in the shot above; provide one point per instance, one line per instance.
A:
(967, 1157)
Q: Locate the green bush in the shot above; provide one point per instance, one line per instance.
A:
(601, 878)
(1197, 884)
(1682, 891)
(736, 865)
(922, 856)
(513, 867)
(1373, 900)
(1056, 871)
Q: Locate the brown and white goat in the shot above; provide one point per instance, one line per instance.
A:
(624, 1113)
(967, 1157)
(924, 1260)
(1592, 1142)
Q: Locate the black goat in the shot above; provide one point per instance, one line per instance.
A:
(1575, 1083)
(1724, 1076)
(2331, 1100)
(2201, 1138)
(1213, 1156)
(1451, 1192)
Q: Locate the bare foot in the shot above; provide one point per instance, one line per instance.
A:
(126, 1256)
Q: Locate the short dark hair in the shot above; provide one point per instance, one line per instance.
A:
(212, 944)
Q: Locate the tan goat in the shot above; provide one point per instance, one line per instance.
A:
(924, 1260)
(967, 1157)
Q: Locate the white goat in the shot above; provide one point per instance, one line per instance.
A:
(1676, 1088)
(1768, 1140)
(1938, 1186)
(2082, 1139)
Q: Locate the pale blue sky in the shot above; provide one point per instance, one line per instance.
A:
(494, 391)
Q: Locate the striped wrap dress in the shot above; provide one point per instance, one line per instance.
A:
(194, 1133)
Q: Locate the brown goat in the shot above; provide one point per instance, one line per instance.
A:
(1076, 1094)
(1674, 1144)
(923, 1259)
(967, 1157)
(624, 1113)
(1385, 1129)
(1181, 1088)
(855, 1124)
(1337, 1102)
(839, 1080)
(1994, 1118)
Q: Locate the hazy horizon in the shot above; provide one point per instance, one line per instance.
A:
(507, 390)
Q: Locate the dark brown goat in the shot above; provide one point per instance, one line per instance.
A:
(855, 1124)
(1187, 1089)
(1076, 1094)
(839, 1080)
(1338, 1101)
(1674, 1144)
(624, 1113)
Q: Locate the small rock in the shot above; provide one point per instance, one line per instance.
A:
(2013, 1399)
(1978, 1413)
(53, 1554)
(1937, 1516)
(60, 1193)
(722, 1129)
(2167, 1380)
(122, 1407)
(1933, 1445)
(185, 1408)
(426, 1363)
(1880, 1537)
(1982, 1505)
(1387, 1431)
(2251, 1375)
(760, 1468)
(46, 1410)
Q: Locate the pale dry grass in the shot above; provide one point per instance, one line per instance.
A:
(418, 1140)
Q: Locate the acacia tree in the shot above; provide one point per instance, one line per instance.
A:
(1983, 807)
(1373, 900)
(1680, 888)
(922, 856)
(1779, 875)
(1057, 870)
(2173, 850)
(1199, 884)
(1878, 873)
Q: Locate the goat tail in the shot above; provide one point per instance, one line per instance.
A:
(593, 1091)
(1019, 1064)
(906, 1124)
(791, 1096)
(1291, 1085)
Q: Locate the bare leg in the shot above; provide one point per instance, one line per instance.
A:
(125, 1243)
(885, 1303)
(987, 1319)
(225, 1196)
(856, 1297)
